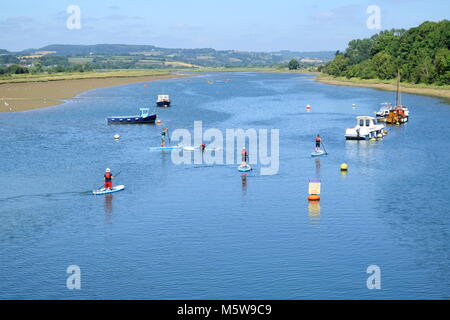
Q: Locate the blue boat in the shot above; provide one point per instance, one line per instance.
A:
(163, 101)
(144, 117)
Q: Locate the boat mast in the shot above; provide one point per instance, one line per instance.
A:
(398, 87)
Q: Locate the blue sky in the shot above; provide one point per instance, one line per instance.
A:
(301, 25)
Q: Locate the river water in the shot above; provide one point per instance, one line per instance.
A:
(207, 231)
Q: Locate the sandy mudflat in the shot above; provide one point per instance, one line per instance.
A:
(442, 93)
(32, 95)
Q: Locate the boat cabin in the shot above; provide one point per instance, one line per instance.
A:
(144, 112)
(366, 128)
(163, 98)
(366, 121)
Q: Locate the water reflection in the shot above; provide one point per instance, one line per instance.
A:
(317, 160)
(244, 183)
(361, 149)
(314, 211)
(107, 204)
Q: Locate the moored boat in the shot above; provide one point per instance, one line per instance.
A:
(365, 129)
(397, 115)
(163, 100)
(400, 113)
(383, 112)
(144, 117)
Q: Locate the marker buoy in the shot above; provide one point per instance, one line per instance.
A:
(373, 139)
(308, 108)
(385, 132)
(344, 167)
(158, 121)
(116, 137)
(313, 197)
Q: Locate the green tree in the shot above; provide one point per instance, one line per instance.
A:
(293, 64)
(442, 66)
(422, 54)
(384, 65)
(337, 66)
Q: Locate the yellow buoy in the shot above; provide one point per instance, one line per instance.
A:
(373, 139)
(116, 137)
(385, 132)
(344, 167)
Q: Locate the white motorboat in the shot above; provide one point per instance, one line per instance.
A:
(365, 129)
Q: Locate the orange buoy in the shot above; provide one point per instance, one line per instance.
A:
(314, 197)
(158, 121)
(308, 108)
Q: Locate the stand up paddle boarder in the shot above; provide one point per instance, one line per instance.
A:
(108, 179)
(202, 147)
(318, 140)
(244, 154)
(164, 134)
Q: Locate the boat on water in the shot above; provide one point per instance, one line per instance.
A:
(397, 114)
(365, 129)
(383, 112)
(163, 101)
(144, 117)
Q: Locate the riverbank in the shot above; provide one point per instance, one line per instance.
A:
(388, 85)
(255, 69)
(33, 92)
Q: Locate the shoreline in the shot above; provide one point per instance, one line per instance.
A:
(23, 96)
(387, 85)
(35, 93)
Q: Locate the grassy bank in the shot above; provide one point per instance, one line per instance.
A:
(389, 85)
(127, 73)
(42, 77)
(261, 69)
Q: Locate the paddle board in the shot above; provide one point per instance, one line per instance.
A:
(318, 153)
(105, 191)
(191, 148)
(165, 148)
(246, 168)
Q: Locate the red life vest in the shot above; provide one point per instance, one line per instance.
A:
(317, 139)
(108, 176)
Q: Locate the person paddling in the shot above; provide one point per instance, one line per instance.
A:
(164, 134)
(203, 147)
(244, 154)
(318, 140)
(108, 179)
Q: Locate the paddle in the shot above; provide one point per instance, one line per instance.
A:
(324, 148)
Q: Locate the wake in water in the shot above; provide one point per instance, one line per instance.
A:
(45, 195)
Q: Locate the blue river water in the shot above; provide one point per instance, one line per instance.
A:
(207, 231)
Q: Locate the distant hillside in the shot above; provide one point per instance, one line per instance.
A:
(422, 54)
(3, 51)
(206, 57)
(83, 50)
